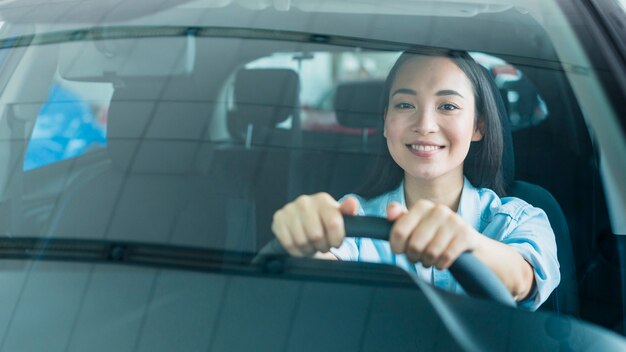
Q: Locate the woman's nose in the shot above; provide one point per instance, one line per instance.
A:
(425, 122)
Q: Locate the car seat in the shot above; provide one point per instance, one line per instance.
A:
(262, 99)
(357, 106)
(265, 156)
(564, 299)
(159, 185)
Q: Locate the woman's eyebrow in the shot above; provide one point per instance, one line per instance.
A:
(440, 93)
(404, 91)
(445, 92)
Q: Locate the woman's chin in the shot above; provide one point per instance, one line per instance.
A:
(422, 175)
(430, 175)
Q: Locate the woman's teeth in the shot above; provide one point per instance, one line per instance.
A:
(425, 148)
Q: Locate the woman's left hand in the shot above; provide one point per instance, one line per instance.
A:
(430, 233)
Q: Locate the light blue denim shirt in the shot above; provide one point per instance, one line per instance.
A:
(508, 220)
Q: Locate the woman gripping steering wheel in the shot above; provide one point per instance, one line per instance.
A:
(437, 106)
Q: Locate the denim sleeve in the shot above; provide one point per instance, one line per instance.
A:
(348, 250)
(530, 234)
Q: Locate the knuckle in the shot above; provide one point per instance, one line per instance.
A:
(287, 211)
(336, 242)
(300, 242)
(397, 241)
(399, 233)
(316, 237)
(439, 210)
(323, 196)
(412, 257)
(335, 239)
(429, 254)
(416, 247)
(445, 257)
(302, 201)
(334, 224)
(277, 216)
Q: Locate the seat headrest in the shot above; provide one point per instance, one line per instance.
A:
(265, 97)
(358, 104)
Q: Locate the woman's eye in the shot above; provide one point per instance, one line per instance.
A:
(448, 107)
(404, 106)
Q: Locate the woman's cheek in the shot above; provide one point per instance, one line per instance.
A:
(394, 126)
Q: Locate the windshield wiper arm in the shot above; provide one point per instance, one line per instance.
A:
(188, 258)
(124, 252)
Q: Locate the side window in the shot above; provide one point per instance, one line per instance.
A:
(525, 106)
(70, 123)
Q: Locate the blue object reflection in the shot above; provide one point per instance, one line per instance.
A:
(66, 127)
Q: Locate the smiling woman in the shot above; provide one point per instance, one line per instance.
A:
(436, 106)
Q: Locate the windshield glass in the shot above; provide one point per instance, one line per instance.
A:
(172, 146)
(192, 123)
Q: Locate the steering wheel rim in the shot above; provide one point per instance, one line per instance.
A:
(474, 276)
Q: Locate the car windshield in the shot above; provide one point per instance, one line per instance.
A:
(190, 123)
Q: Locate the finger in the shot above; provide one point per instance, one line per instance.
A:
(314, 231)
(437, 246)
(300, 240)
(417, 243)
(424, 232)
(394, 211)
(305, 226)
(280, 231)
(333, 224)
(455, 248)
(310, 217)
(465, 239)
(349, 206)
(403, 228)
(413, 256)
(283, 236)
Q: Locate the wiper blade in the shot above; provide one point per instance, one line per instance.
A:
(123, 252)
(200, 259)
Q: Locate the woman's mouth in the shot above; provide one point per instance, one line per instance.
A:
(424, 150)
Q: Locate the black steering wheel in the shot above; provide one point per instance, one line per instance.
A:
(474, 276)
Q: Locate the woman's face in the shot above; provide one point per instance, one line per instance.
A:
(430, 119)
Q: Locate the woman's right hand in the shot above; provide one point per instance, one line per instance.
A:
(312, 223)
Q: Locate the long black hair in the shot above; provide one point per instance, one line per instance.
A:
(483, 164)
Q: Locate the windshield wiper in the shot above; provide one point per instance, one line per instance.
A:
(126, 252)
(199, 259)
